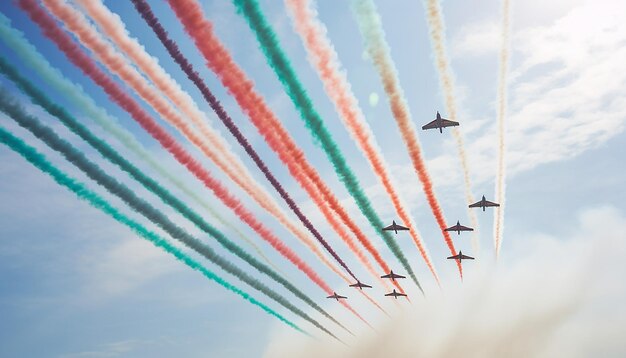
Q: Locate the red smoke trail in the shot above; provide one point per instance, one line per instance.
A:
(323, 56)
(242, 89)
(76, 55)
(370, 25)
(117, 64)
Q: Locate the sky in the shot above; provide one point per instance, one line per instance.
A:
(75, 283)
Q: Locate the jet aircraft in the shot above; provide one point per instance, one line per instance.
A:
(458, 228)
(483, 203)
(440, 123)
(460, 257)
(395, 294)
(360, 285)
(336, 296)
(395, 227)
(392, 276)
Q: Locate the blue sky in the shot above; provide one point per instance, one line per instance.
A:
(74, 283)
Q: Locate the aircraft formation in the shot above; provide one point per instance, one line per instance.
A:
(438, 123)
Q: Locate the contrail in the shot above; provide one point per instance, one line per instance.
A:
(118, 189)
(373, 34)
(89, 67)
(437, 37)
(29, 56)
(242, 88)
(81, 191)
(324, 58)
(112, 155)
(498, 221)
(117, 64)
(147, 14)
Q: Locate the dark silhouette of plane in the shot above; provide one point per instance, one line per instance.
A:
(483, 203)
(360, 285)
(458, 228)
(336, 296)
(460, 257)
(395, 294)
(440, 123)
(395, 227)
(392, 276)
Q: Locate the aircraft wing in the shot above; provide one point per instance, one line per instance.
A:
(463, 228)
(395, 275)
(393, 227)
(455, 257)
(401, 228)
(448, 123)
(465, 257)
(489, 203)
(431, 125)
(477, 204)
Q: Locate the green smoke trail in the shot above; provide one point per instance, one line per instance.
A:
(38, 160)
(39, 98)
(277, 59)
(76, 157)
(30, 57)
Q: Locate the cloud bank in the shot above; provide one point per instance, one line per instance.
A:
(557, 297)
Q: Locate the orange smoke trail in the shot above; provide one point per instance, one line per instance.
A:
(224, 159)
(498, 222)
(437, 35)
(370, 25)
(242, 89)
(324, 58)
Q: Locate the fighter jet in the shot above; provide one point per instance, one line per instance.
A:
(392, 276)
(395, 294)
(458, 228)
(360, 285)
(395, 227)
(483, 203)
(460, 257)
(336, 296)
(440, 123)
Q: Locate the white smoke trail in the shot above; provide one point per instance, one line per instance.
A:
(498, 222)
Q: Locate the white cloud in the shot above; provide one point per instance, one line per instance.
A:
(565, 90)
(126, 266)
(477, 39)
(540, 303)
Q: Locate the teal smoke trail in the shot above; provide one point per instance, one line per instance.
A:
(277, 59)
(38, 160)
(76, 157)
(39, 98)
(29, 56)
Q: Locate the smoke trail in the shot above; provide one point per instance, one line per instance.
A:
(38, 160)
(218, 59)
(279, 62)
(370, 26)
(437, 37)
(80, 59)
(116, 63)
(145, 11)
(498, 222)
(82, 192)
(323, 57)
(29, 56)
(257, 110)
(108, 152)
(131, 199)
